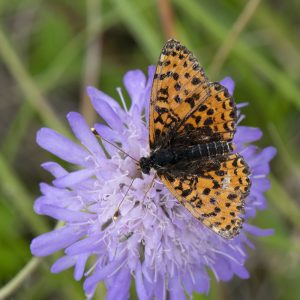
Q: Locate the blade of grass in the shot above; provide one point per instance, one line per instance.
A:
(13, 285)
(49, 79)
(285, 152)
(203, 17)
(66, 56)
(232, 36)
(92, 59)
(31, 91)
(17, 130)
(19, 197)
(143, 32)
(283, 202)
(166, 14)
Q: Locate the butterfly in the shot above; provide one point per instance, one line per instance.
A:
(192, 123)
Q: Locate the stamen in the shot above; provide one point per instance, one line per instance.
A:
(119, 90)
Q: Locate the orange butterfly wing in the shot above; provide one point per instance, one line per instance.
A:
(186, 109)
(216, 198)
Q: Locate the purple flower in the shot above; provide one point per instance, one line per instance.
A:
(154, 241)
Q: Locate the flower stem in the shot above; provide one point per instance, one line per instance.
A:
(27, 85)
(14, 284)
(232, 36)
(166, 18)
(92, 59)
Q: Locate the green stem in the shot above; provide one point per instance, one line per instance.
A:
(17, 195)
(92, 59)
(283, 202)
(13, 285)
(28, 86)
(232, 36)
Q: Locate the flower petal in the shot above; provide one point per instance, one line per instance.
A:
(135, 82)
(175, 289)
(258, 231)
(104, 272)
(229, 84)
(54, 168)
(139, 282)
(97, 95)
(87, 245)
(80, 266)
(55, 240)
(245, 134)
(84, 134)
(73, 178)
(119, 289)
(60, 146)
(63, 263)
(66, 215)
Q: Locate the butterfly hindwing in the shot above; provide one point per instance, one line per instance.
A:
(215, 197)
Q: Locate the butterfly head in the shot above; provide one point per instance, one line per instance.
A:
(146, 164)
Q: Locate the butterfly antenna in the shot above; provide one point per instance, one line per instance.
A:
(117, 212)
(149, 187)
(95, 132)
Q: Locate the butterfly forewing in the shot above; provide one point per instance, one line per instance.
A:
(177, 80)
(213, 119)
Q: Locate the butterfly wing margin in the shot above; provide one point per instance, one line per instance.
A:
(216, 198)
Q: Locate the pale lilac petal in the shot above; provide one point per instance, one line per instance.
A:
(65, 214)
(86, 245)
(104, 272)
(245, 134)
(202, 281)
(241, 105)
(265, 155)
(222, 269)
(73, 178)
(140, 288)
(63, 263)
(229, 84)
(54, 168)
(241, 271)
(119, 289)
(98, 96)
(175, 289)
(107, 133)
(258, 231)
(109, 116)
(84, 134)
(80, 266)
(135, 82)
(160, 288)
(55, 240)
(60, 146)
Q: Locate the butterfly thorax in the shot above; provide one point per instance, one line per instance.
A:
(171, 156)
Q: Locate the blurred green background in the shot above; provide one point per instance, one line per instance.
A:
(49, 52)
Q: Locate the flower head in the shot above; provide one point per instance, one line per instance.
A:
(153, 239)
